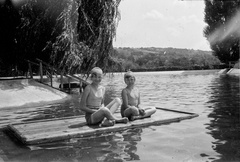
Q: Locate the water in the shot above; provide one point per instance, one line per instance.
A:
(213, 136)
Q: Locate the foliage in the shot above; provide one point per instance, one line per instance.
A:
(9, 18)
(37, 27)
(145, 59)
(74, 35)
(222, 30)
(88, 31)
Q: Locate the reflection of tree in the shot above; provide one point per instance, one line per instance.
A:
(131, 147)
(225, 123)
(116, 147)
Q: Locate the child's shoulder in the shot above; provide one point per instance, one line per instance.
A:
(127, 90)
(124, 89)
(88, 86)
(101, 87)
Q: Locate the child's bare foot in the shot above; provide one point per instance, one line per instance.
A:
(142, 112)
(107, 123)
(123, 120)
(133, 117)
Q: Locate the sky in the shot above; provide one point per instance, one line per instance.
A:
(162, 23)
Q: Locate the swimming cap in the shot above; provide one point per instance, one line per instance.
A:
(129, 74)
(96, 70)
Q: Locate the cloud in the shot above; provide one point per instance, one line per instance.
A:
(174, 31)
(184, 3)
(189, 19)
(153, 14)
(162, 23)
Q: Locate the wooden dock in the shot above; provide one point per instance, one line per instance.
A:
(52, 130)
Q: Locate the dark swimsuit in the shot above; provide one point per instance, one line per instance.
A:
(88, 118)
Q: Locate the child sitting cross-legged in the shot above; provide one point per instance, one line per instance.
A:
(92, 103)
(131, 107)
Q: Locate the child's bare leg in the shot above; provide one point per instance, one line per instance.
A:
(106, 113)
(107, 123)
(148, 112)
(114, 105)
(137, 117)
(129, 112)
(122, 120)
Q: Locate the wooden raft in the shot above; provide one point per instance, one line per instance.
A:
(65, 128)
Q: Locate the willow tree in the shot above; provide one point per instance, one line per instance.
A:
(73, 35)
(223, 23)
(90, 27)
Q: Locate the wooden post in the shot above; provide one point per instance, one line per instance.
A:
(69, 85)
(61, 80)
(41, 71)
(30, 70)
(80, 86)
(51, 77)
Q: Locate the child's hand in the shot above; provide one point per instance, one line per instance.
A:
(141, 111)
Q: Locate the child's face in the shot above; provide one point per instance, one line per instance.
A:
(129, 80)
(96, 78)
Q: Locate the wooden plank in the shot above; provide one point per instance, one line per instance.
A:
(17, 134)
(56, 126)
(70, 127)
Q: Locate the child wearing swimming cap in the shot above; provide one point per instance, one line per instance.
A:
(92, 103)
(131, 107)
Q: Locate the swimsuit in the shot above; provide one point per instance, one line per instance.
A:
(132, 96)
(94, 101)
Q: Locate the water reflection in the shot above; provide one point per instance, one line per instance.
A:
(120, 146)
(224, 125)
(215, 98)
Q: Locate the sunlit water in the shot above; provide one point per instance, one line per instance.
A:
(213, 136)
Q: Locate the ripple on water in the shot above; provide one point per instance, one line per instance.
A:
(212, 136)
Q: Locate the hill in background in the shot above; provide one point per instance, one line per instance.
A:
(156, 59)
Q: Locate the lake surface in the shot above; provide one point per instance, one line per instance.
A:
(213, 136)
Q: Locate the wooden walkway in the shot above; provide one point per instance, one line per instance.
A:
(65, 128)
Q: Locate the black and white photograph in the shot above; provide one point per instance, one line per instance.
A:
(119, 80)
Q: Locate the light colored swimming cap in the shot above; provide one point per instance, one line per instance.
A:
(129, 74)
(96, 70)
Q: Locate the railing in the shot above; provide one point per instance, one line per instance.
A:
(50, 71)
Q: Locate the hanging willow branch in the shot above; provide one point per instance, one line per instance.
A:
(89, 27)
(67, 51)
(77, 34)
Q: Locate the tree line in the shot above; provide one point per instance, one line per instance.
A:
(157, 59)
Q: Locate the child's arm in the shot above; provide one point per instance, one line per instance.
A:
(83, 105)
(102, 103)
(141, 110)
(124, 99)
(139, 100)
